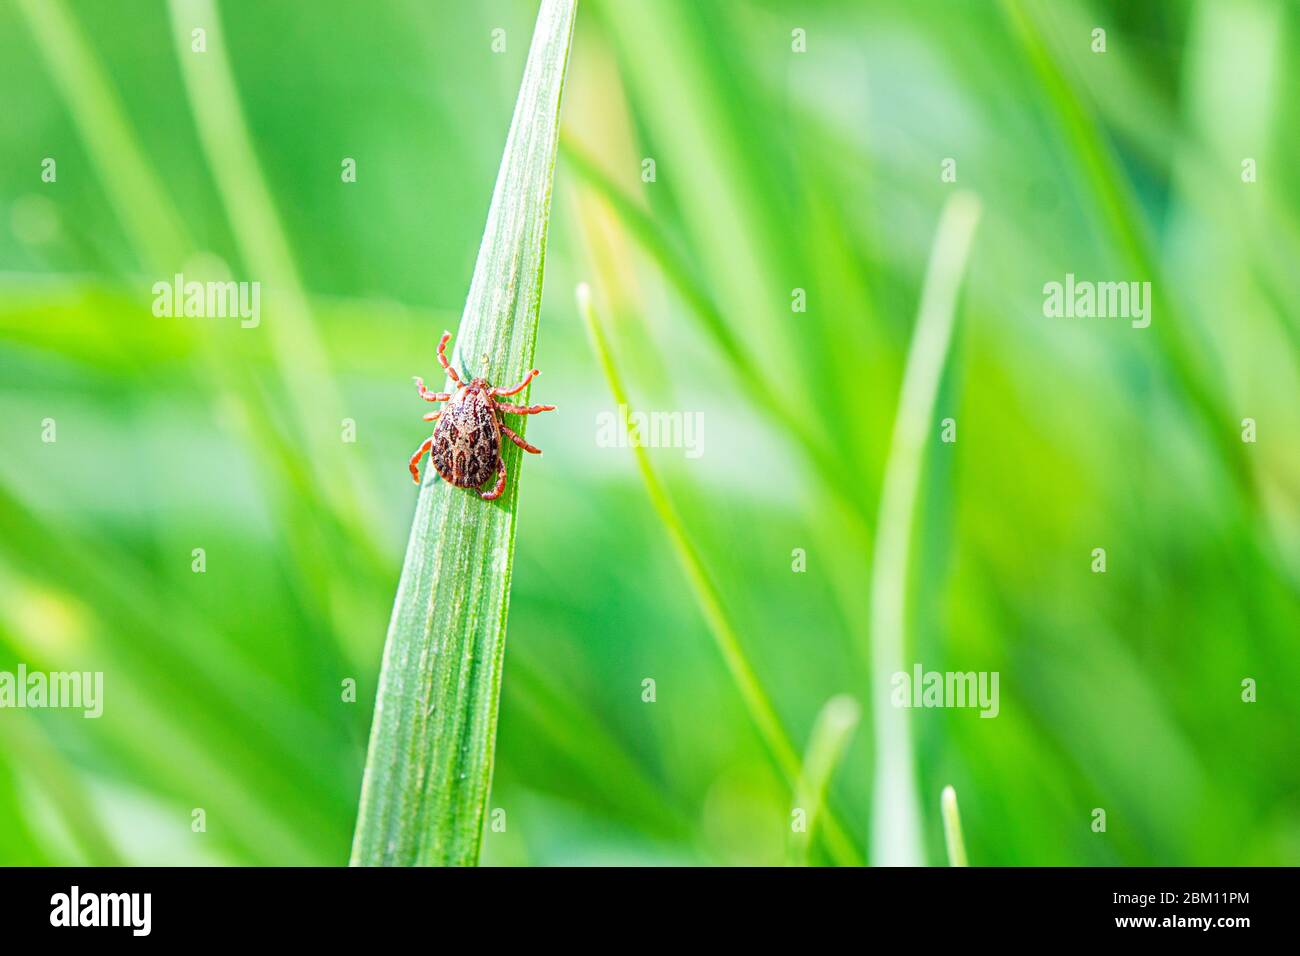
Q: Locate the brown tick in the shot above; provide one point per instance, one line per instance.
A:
(465, 447)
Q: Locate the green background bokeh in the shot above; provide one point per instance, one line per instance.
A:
(774, 170)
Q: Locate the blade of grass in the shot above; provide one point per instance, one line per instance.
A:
(756, 701)
(580, 738)
(264, 246)
(952, 828)
(63, 787)
(1122, 215)
(845, 523)
(895, 828)
(227, 693)
(162, 246)
(675, 268)
(429, 767)
(831, 732)
(671, 262)
(21, 843)
(153, 226)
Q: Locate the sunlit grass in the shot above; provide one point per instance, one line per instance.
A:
(776, 170)
(429, 768)
(952, 835)
(896, 821)
(706, 593)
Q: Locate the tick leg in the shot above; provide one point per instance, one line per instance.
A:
(495, 493)
(518, 388)
(429, 396)
(420, 453)
(531, 449)
(442, 358)
(432, 416)
(524, 409)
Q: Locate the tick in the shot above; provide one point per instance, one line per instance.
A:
(465, 446)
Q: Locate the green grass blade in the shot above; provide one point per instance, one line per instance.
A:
(265, 248)
(155, 231)
(673, 265)
(757, 703)
(952, 828)
(131, 186)
(896, 829)
(429, 768)
(835, 724)
(63, 788)
(1119, 211)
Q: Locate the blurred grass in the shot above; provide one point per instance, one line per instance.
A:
(831, 733)
(775, 171)
(952, 828)
(706, 594)
(896, 837)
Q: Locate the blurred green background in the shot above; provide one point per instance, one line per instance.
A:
(774, 170)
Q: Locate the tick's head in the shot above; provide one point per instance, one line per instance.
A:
(479, 385)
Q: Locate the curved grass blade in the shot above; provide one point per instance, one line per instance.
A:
(130, 184)
(834, 727)
(952, 828)
(265, 248)
(675, 269)
(156, 233)
(759, 705)
(63, 788)
(1120, 213)
(429, 767)
(895, 826)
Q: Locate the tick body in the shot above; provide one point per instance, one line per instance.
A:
(465, 447)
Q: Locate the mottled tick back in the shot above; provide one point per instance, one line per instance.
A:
(465, 447)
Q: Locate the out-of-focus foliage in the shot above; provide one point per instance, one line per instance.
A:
(774, 170)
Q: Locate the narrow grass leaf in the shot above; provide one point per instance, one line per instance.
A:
(130, 184)
(64, 788)
(952, 828)
(759, 706)
(1120, 212)
(429, 767)
(834, 727)
(265, 249)
(156, 233)
(896, 829)
(674, 266)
